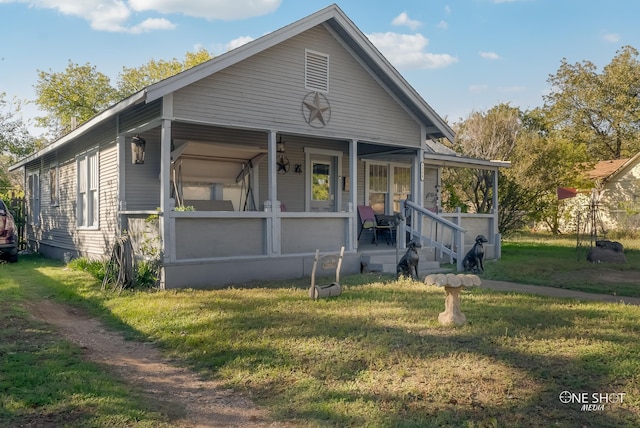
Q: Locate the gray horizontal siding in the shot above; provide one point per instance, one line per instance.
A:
(57, 227)
(267, 90)
(139, 115)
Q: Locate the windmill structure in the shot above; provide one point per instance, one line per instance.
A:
(588, 217)
(589, 224)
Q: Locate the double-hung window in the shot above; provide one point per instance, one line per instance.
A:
(33, 183)
(87, 207)
(54, 185)
(388, 184)
(378, 187)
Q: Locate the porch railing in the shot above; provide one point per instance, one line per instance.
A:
(430, 229)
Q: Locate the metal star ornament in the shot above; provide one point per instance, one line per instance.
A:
(316, 109)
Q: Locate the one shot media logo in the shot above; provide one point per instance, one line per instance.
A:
(592, 401)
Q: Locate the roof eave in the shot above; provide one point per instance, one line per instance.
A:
(436, 127)
(621, 168)
(460, 161)
(336, 19)
(85, 127)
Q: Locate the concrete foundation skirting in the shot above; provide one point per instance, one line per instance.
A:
(53, 252)
(219, 274)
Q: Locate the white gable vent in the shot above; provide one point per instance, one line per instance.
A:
(316, 66)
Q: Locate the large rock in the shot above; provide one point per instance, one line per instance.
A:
(610, 245)
(605, 255)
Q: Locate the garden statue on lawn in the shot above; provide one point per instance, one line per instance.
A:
(453, 284)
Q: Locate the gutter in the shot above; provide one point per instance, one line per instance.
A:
(84, 128)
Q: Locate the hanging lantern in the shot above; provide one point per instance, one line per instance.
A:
(137, 150)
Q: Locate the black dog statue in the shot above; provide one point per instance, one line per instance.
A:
(473, 260)
(408, 264)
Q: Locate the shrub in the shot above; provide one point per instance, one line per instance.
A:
(96, 268)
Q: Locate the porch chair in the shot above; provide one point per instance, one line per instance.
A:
(368, 221)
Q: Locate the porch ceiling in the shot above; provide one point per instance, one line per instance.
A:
(202, 162)
(386, 153)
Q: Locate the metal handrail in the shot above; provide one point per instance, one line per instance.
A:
(454, 248)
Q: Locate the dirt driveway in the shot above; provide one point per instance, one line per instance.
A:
(179, 393)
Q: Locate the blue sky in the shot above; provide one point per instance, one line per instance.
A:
(460, 55)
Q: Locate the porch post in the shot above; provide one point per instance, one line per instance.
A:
(273, 173)
(168, 247)
(272, 205)
(352, 236)
(496, 218)
(418, 186)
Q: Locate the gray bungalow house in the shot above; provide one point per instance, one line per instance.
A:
(275, 145)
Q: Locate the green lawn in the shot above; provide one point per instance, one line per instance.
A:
(558, 262)
(44, 381)
(375, 356)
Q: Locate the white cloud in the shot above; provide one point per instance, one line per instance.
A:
(152, 24)
(403, 19)
(443, 25)
(612, 37)
(408, 51)
(115, 15)
(236, 43)
(489, 55)
(447, 10)
(478, 88)
(208, 9)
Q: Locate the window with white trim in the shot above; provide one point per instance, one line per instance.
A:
(33, 183)
(401, 185)
(316, 71)
(54, 185)
(87, 206)
(378, 187)
(388, 184)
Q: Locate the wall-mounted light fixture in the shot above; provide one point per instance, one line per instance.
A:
(280, 145)
(137, 150)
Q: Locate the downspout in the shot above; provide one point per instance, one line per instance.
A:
(122, 197)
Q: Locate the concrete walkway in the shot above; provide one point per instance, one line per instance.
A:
(557, 292)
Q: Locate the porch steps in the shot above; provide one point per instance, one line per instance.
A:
(385, 262)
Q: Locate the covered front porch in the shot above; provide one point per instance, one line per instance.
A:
(238, 205)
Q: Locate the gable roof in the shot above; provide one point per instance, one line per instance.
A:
(607, 170)
(334, 19)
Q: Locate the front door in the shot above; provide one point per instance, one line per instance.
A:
(323, 183)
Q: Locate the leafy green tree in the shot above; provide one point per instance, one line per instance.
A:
(132, 80)
(15, 139)
(599, 110)
(72, 97)
(76, 94)
(540, 164)
(541, 161)
(483, 135)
